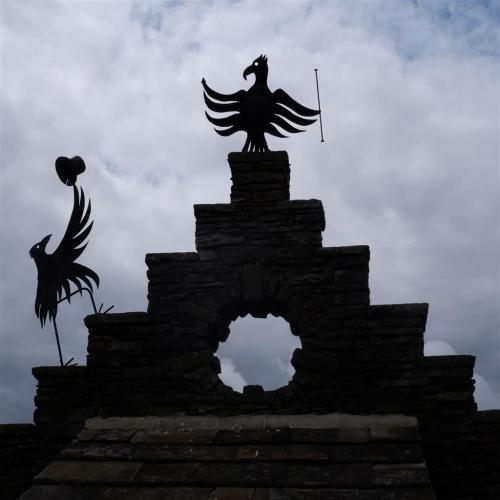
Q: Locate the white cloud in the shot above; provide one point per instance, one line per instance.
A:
(231, 376)
(438, 348)
(285, 367)
(486, 398)
(261, 349)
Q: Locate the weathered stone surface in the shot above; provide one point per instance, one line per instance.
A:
(335, 435)
(174, 437)
(60, 492)
(166, 473)
(402, 474)
(89, 472)
(242, 475)
(338, 476)
(108, 452)
(305, 494)
(391, 494)
(291, 453)
(156, 493)
(232, 494)
(262, 254)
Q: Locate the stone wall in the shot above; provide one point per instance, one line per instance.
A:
(262, 254)
(463, 455)
(63, 400)
(24, 451)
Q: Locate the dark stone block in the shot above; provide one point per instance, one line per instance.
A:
(306, 494)
(82, 472)
(291, 453)
(156, 493)
(332, 476)
(241, 475)
(60, 492)
(232, 494)
(165, 473)
(398, 494)
(252, 436)
(396, 475)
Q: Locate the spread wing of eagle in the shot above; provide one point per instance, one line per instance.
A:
(58, 270)
(257, 111)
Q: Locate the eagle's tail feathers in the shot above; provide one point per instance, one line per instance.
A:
(271, 129)
(228, 131)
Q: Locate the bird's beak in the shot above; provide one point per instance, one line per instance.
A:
(44, 242)
(248, 71)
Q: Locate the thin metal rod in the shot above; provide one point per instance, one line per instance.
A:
(80, 291)
(319, 107)
(58, 343)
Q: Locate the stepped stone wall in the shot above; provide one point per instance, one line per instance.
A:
(262, 254)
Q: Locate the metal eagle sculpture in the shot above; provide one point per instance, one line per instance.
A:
(57, 270)
(257, 110)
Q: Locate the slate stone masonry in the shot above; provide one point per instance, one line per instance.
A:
(261, 457)
(262, 254)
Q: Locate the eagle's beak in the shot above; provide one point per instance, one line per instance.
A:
(248, 71)
(44, 242)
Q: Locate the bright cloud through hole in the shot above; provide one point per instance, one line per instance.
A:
(258, 351)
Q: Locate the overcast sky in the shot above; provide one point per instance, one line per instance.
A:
(410, 165)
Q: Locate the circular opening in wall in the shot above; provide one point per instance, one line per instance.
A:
(258, 351)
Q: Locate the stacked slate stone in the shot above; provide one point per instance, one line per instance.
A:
(23, 453)
(262, 254)
(259, 457)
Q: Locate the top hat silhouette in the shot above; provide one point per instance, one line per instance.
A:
(68, 169)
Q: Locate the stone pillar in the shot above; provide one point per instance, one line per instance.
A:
(261, 219)
(260, 178)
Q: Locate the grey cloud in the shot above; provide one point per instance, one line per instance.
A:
(409, 166)
(261, 349)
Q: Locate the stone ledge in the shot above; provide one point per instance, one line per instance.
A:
(449, 361)
(346, 250)
(58, 492)
(44, 372)
(117, 318)
(391, 310)
(309, 421)
(487, 416)
(162, 258)
(256, 158)
(224, 208)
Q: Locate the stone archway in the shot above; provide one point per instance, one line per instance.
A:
(253, 290)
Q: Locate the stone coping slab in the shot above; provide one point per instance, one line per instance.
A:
(212, 422)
